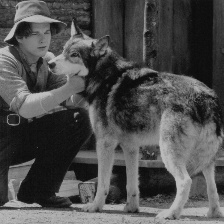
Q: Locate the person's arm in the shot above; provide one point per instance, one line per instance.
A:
(15, 92)
(76, 100)
(37, 104)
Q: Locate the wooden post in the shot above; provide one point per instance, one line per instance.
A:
(202, 40)
(108, 20)
(182, 29)
(150, 46)
(134, 26)
(165, 54)
(167, 39)
(218, 50)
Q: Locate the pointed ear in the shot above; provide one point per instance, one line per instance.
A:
(100, 46)
(74, 28)
(76, 31)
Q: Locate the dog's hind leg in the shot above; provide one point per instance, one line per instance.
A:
(131, 159)
(175, 145)
(214, 207)
(105, 153)
(183, 185)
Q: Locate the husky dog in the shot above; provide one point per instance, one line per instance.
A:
(131, 106)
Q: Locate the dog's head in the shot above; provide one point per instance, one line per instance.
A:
(79, 53)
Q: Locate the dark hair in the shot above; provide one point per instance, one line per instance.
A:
(24, 30)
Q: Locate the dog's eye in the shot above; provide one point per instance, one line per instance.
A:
(75, 54)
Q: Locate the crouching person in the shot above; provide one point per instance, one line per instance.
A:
(33, 122)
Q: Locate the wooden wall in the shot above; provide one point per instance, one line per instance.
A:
(167, 35)
(218, 50)
(156, 32)
(180, 37)
(172, 34)
(123, 20)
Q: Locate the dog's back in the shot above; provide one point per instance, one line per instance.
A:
(154, 92)
(144, 107)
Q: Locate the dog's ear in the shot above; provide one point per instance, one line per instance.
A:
(76, 31)
(100, 46)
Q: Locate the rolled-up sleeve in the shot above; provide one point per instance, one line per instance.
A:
(13, 89)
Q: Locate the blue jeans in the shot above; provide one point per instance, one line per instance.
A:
(53, 140)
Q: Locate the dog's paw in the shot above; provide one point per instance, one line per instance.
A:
(131, 208)
(168, 214)
(91, 207)
(215, 213)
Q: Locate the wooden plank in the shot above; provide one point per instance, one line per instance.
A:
(170, 25)
(202, 40)
(69, 188)
(133, 31)
(164, 61)
(150, 33)
(182, 28)
(90, 157)
(19, 171)
(108, 20)
(218, 50)
(219, 161)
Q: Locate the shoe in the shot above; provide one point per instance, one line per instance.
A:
(52, 201)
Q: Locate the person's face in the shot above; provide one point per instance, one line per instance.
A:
(37, 44)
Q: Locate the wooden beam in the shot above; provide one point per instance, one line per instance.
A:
(134, 26)
(182, 29)
(19, 171)
(90, 157)
(202, 40)
(108, 20)
(167, 35)
(165, 53)
(218, 50)
(150, 33)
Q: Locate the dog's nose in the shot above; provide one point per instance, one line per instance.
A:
(51, 65)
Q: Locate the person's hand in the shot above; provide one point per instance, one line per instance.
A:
(76, 83)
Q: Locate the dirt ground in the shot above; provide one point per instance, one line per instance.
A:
(15, 212)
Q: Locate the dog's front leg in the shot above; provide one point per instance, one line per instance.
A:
(131, 155)
(105, 154)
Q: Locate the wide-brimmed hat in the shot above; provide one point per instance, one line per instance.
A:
(33, 11)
